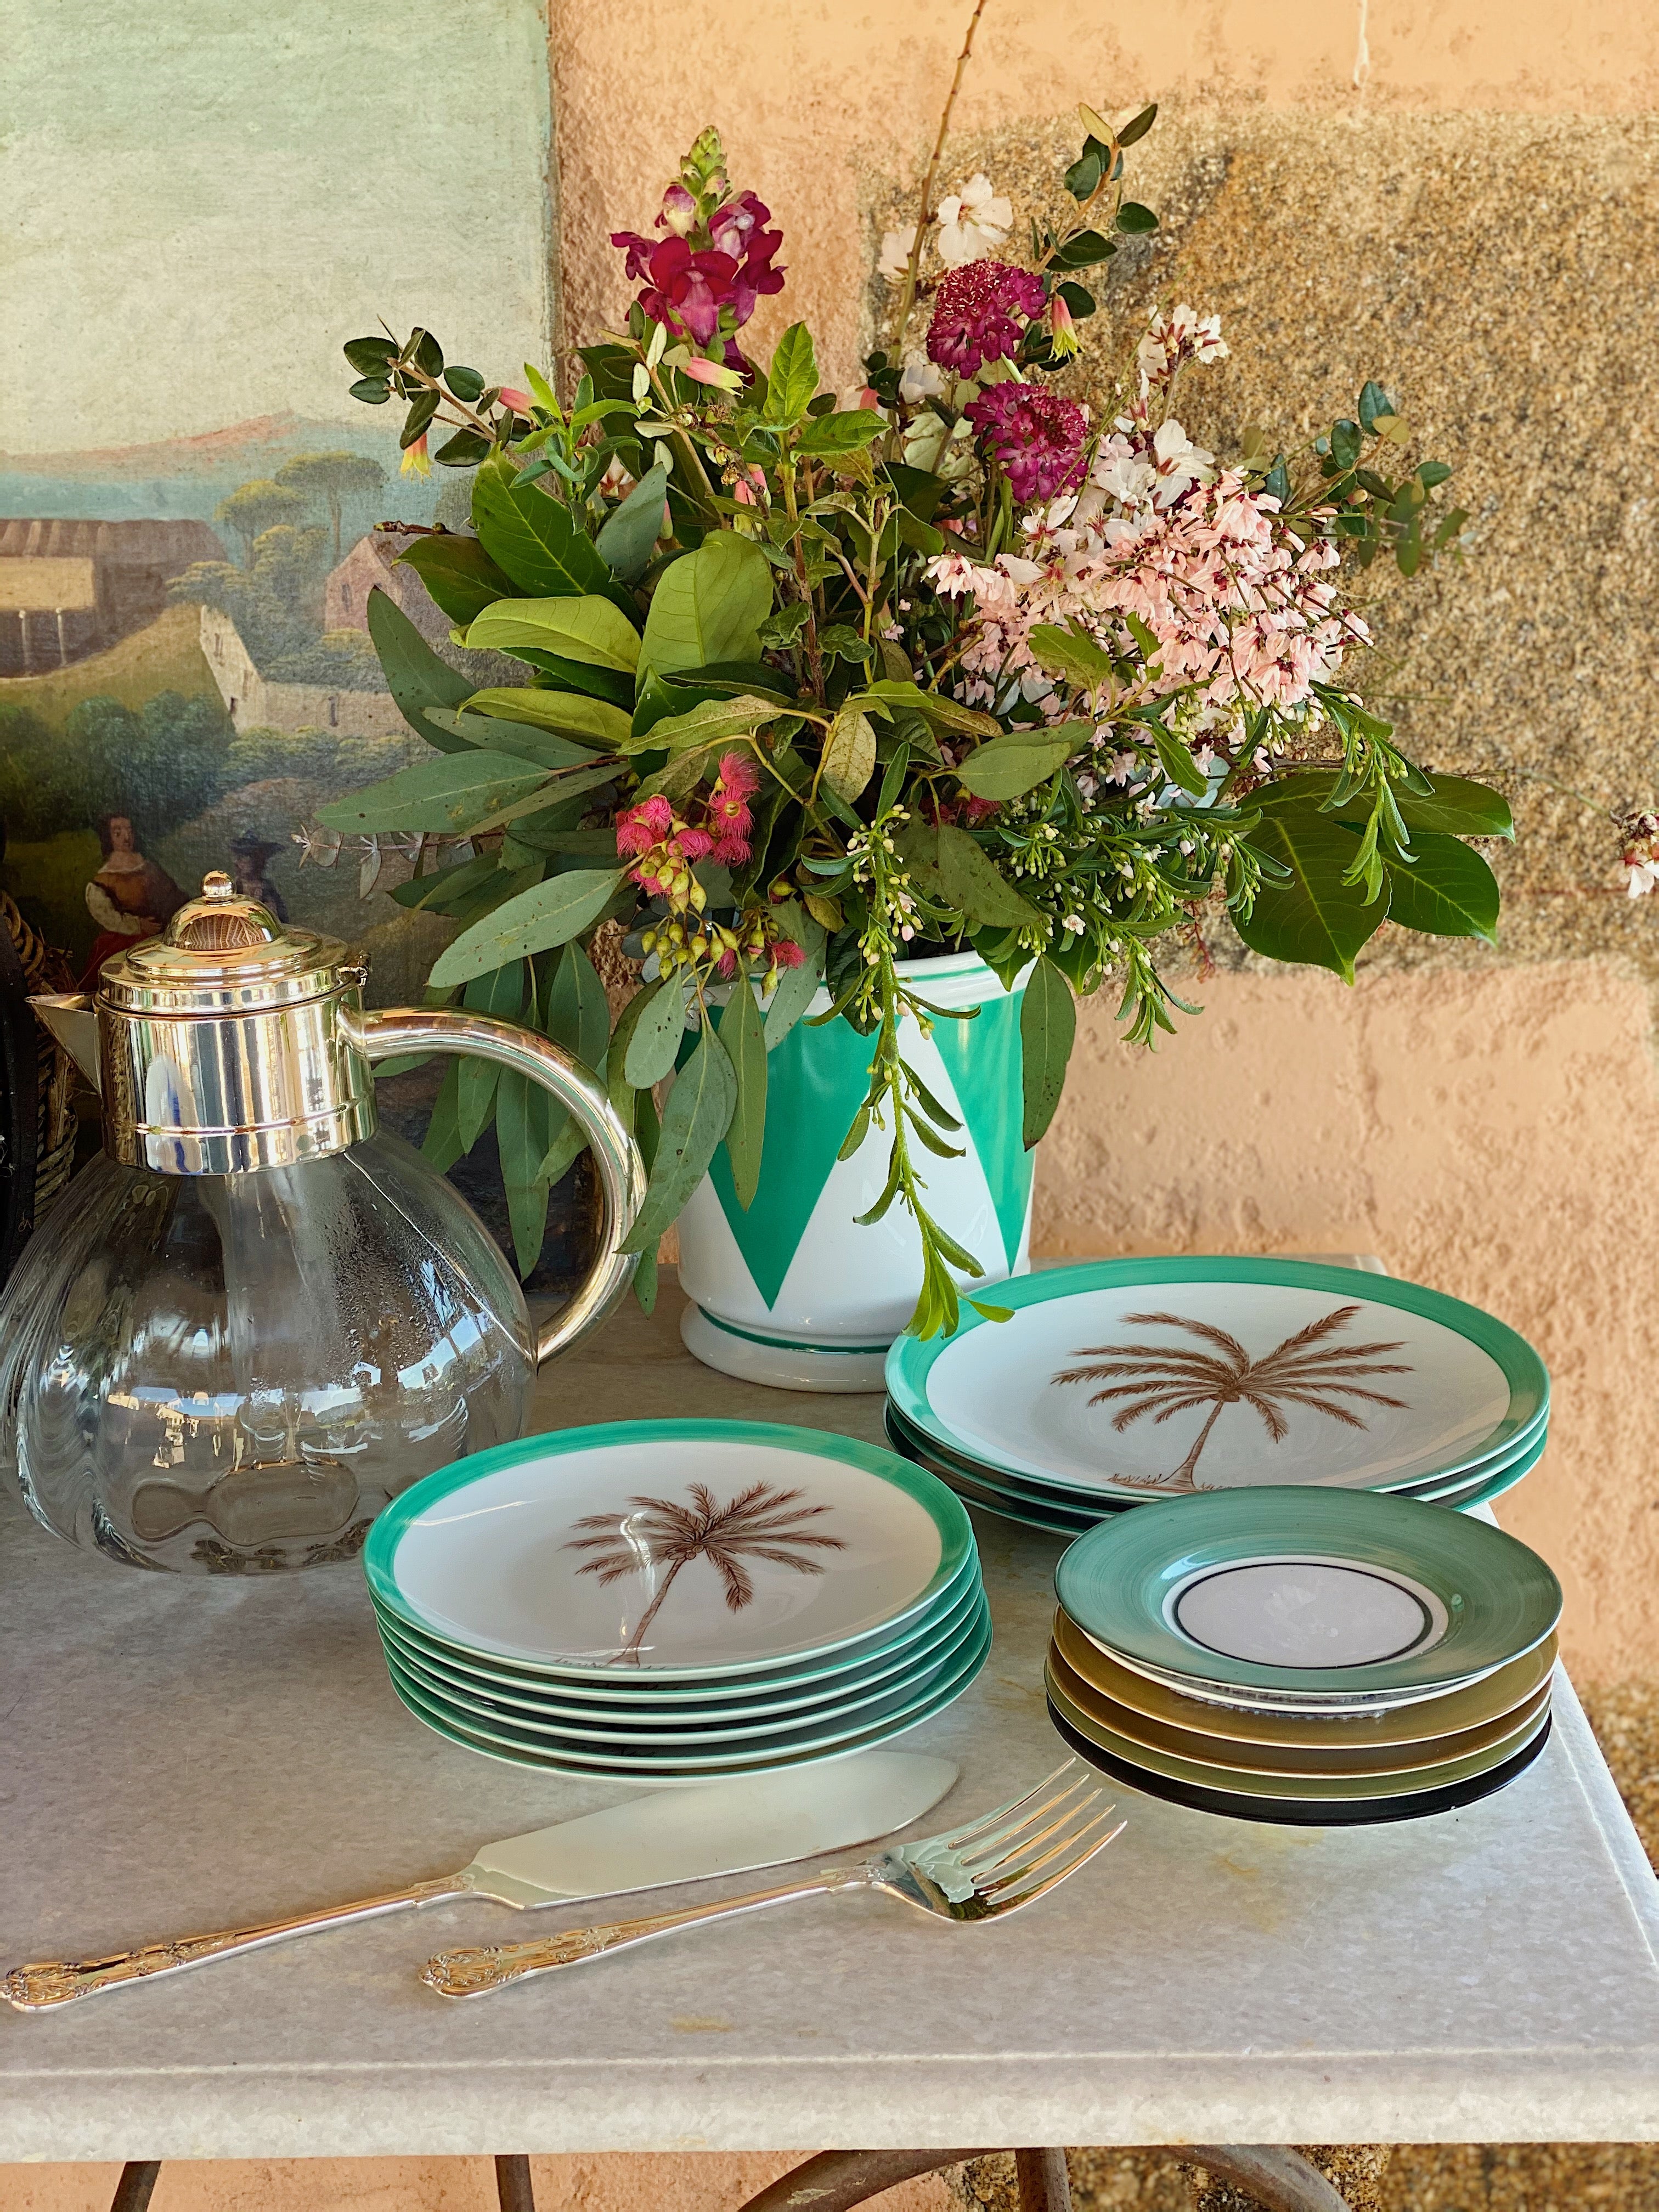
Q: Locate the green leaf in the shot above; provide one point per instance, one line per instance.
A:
(974, 886)
(707, 606)
(596, 721)
(696, 1117)
(415, 676)
(547, 915)
(1083, 178)
(1313, 916)
(889, 691)
(577, 1012)
(1345, 444)
(533, 537)
(451, 793)
(1048, 1027)
(654, 1044)
(850, 753)
(631, 531)
(440, 893)
(1083, 250)
(373, 391)
(1178, 764)
(523, 1110)
(705, 724)
(523, 741)
(459, 576)
(847, 433)
(1459, 807)
(1067, 652)
(1135, 221)
(797, 986)
(441, 1145)
(1020, 760)
(591, 631)
(422, 409)
(501, 994)
(466, 384)
(1447, 891)
(743, 1035)
(371, 357)
(463, 451)
(1373, 402)
(791, 382)
(1137, 125)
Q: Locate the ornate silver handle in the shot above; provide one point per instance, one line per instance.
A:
(475, 1973)
(621, 1171)
(48, 1983)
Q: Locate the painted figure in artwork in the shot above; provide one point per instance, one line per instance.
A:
(128, 899)
(250, 857)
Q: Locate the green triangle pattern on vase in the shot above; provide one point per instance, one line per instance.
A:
(987, 1068)
(815, 1081)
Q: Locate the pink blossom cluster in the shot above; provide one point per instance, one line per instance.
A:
(664, 847)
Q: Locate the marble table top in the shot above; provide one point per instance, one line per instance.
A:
(184, 1755)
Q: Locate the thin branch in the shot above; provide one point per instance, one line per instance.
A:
(924, 210)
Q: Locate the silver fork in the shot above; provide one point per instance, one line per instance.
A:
(995, 1866)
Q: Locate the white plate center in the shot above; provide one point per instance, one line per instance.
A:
(1305, 1612)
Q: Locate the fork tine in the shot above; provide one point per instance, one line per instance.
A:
(1014, 1903)
(988, 1835)
(997, 1849)
(952, 1839)
(989, 1884)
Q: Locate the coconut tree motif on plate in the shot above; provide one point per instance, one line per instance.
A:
(658, 1537)
(1165, 1380)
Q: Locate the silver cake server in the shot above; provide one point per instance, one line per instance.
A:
(673, 1836)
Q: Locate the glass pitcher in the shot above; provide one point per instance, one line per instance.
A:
(257, 1317)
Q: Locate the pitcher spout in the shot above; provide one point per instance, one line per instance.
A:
(71, 1018)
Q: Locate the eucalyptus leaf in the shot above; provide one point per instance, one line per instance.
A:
(797, 989)
(500, 994)
(441, 1145)
(1019, 761)
(741, 1031)
(695, 1118)
(849, 753)
(451, 793)
(654, 1044)
(546, 915)
(585, 631)
(975, 886)
(631, 531)
(705, 724)
(577, 1012)
(1047, 1029)
(518, 738)
(415, 676)
(570, 713)
(523, 1111)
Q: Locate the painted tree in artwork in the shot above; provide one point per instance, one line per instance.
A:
(657, 1534)
(333, 478)
(1164, 1380)
(253, 508)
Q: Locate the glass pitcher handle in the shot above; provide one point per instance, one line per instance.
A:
(621, 1171)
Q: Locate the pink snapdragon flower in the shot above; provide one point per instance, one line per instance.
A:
(980, 314)
(700, 291)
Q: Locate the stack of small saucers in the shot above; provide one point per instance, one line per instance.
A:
(1314, 1656)
(1121, 1380)
(672, 1601)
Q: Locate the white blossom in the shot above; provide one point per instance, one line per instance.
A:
(973, 222)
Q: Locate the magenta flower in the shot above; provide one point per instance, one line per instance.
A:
(980, 314)
(702, 292)
(730, 817)
(1036, 436)
(678, 212)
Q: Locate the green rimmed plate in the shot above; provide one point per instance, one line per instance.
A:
(637, 1738)
(1308, 1595)
(637, 1705)
(1162, 1377)
(1320, 1789)
(669, 1551)
(523, 1751)
(1478, 1706)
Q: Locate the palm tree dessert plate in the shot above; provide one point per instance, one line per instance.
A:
(526, 1747)
(678, 1550)
(1301, 1812)
(1312, 1762)
(743, 1697)
(644, 1733)
(1302, 1594)
(1480, 1705)
(1130, 1378)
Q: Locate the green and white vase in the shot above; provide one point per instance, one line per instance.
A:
(792, 1292)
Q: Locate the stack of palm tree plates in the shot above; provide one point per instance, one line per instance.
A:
(1124, 1380)
(1314, 1656)
(671, 1601)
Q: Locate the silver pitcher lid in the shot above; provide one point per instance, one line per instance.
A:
(224, 953)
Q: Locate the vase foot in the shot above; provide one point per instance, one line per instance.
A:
(782, 1366)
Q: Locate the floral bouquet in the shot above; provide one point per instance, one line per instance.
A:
(821, 686)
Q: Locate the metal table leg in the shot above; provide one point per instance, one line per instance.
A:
(1277, 2177)
(513, 2187)
(132, 2190)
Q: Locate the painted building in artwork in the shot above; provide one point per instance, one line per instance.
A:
(254, 702)
(68, 589)
(371, 565)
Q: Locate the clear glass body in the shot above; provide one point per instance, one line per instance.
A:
(233, 1374)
